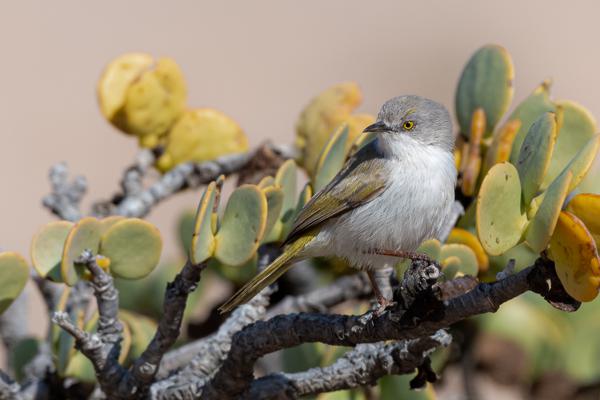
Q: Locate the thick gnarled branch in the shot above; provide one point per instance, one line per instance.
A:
(426, 314)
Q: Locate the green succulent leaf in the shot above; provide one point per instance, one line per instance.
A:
(542, 225)
(22, 353)
(468, 260)
(527, 112)
(243, 225)
(275, 199)
(500, 222)
(142, 331)
(47, 249)
(535, 154)
(486, 82)
(133, 247)
(332, 158)
(84, 235)
(286, 179)
(577, 129)
(582, 162)
(203, 238)
(14, 273)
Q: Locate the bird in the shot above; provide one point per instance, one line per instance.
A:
(391, 195)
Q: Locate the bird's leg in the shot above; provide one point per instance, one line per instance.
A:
(411, 255)
(381, 299)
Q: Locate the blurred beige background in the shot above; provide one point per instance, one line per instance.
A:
(260, 62)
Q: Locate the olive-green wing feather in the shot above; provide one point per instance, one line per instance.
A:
(362, 178)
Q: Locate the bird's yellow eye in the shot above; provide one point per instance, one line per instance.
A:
(408, 125)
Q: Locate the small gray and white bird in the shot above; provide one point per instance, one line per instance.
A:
(392, 194)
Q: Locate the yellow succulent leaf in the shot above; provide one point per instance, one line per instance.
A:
(575, 257)
(586, 207)
(463, 236)
(501, 146)
(142, 97)
(326, 112)
(201, 135)
(116, 79)
(154, 102)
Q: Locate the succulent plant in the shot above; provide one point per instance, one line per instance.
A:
(486, 83)
(201, 135)
(141, 96)
(523, 172)
(127, 247)
(322, 116)
(14, 273)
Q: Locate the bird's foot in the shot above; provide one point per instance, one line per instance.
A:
(382, 305)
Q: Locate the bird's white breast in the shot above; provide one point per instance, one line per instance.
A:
(414, 207)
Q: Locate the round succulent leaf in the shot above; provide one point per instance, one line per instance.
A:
(501, 145)
(185, 230)
(527, 112)
(108, 222)
(286, 179)
(84, 235)
(450, 267)
(116, 79)
(322, 116)
(243, 225)
(200, 135)
(581, 163)
(575, 257)
(468, 260)
(133, 247)
(586, 207)
(521, 253)
(499, 220)
(153, 102)
(22, 353)
(535, 154)
(303, 198)
(275, 199)
(577, 132)
(486, 82)
(238, 274)
(542, 225)
(142, 331)
(463, 236)
(429, 247)
(332, 158)
(203, 239)
(14, 273)
(47, 248)
(266, 182)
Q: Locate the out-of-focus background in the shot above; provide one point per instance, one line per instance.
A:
(260, 62)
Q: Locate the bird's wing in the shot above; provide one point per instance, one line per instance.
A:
(362, 179)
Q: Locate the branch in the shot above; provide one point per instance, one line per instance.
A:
(362, 366)
(64, 199)
(103, 348)
(146, 366)
(135, 201)
(204, 356)
(9, 389)
(427, 313)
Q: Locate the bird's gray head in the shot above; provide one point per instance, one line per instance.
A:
(423, 120)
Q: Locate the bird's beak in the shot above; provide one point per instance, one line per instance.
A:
(378, 126)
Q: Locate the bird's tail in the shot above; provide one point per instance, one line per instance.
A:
(267, 276)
